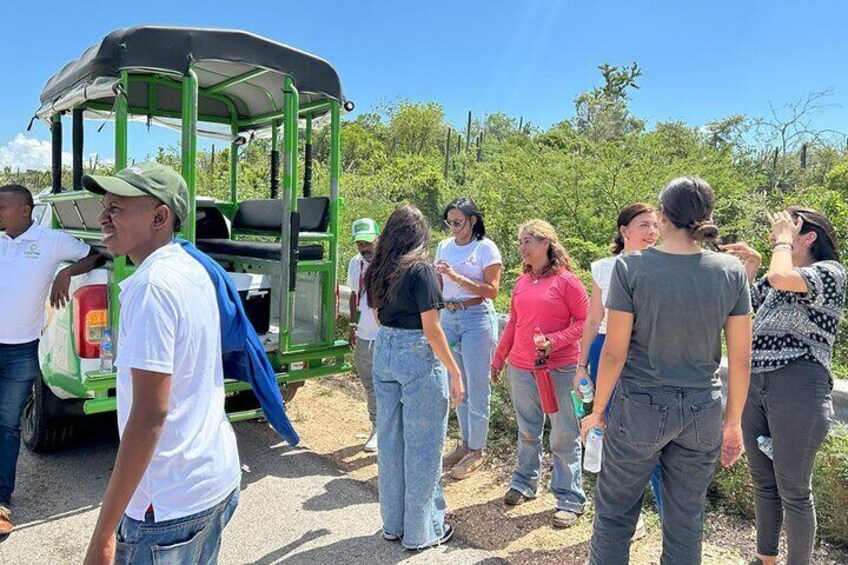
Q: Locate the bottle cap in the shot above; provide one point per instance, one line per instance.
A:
(584, 382)
(598, 432)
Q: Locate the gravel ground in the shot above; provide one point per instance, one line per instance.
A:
(520, 535)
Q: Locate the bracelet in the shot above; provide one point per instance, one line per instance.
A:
(783, 247)
(783, 244)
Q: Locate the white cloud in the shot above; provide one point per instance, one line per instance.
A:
(25, 153)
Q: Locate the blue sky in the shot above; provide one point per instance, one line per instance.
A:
(701, 59)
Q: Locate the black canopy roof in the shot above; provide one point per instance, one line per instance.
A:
(216, 55)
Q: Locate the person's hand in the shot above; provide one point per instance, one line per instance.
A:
(445, 268)
(743, 252)
(581, 374)
(783, 227)
(101, 550)
(589, 423)
(351, 337)
(495, 374)
(457, 391)
(731, 445)
(59, 291)
(549, 346)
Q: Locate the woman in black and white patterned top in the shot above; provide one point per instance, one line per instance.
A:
(798, 305)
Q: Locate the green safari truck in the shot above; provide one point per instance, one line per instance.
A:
(281, 251)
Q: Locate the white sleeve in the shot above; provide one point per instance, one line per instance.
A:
(439, 247)
(490, 255)
(353, 274)
(150, 330)
(69, 248)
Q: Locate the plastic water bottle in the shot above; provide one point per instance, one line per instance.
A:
(594, 445)
(106, 352)
(579, 411)
(586, 390)
(766, 445)
(539, 338)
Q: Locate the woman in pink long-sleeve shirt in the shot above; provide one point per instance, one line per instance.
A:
(548, 296)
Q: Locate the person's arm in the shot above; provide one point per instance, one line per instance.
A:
(578, 306)
(613, 357)
(737, 331)
(146, 420)
(487, 289)
(505, 344)
(590, 332)
(437, 340)
(781, 272)
(59, 296)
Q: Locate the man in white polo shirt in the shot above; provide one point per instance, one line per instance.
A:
(176, 478)
(29, 257)
(363, 326)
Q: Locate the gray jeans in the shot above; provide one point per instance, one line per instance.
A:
(363, 360)
(681, 428)
(793, 406)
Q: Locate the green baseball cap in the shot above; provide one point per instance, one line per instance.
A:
(365, 229)
(144, 179)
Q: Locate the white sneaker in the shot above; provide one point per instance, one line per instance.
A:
(640, 529)
(371, 444)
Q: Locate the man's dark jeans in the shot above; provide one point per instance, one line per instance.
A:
(681, 428)
(18, 369)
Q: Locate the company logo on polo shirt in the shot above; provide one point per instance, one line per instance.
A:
(32, 252)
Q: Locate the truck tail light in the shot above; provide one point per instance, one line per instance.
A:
(90, 319)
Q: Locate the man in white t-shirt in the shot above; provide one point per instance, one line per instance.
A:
(29, 257)
(176, 478)
(363, 326)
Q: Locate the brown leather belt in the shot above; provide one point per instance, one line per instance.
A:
(464, 304)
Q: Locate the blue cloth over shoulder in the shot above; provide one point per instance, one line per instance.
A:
(245, 359)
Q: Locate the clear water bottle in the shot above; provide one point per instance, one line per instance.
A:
(586, 390)
(106, 353)
(592, 456)
(766, 445)
(539, 338)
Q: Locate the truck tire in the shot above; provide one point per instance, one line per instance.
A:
(40, 432)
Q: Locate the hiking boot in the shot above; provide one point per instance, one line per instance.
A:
(5, 521)
(640, 529)
(371, 443)
(467, 465)
(452, 458)
(564, 519)
(514, 497)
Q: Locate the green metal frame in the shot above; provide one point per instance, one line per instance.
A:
(325, 357)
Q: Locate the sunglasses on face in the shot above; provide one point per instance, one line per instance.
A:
(455, 223)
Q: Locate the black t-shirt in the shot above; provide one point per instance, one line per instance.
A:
(418, 291)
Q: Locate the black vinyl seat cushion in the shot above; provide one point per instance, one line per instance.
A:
(257, 249)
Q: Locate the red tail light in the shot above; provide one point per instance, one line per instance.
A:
(90, 319)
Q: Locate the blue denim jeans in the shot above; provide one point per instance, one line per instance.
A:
(681, 428)
(411, 386)
(567, 479)
(193, 539)
(594, 361)
(18, 370)
(473, 336)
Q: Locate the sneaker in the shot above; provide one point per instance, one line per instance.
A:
(371, 444)
(514, 497)
(391, 537)
(640, 529)
(467, 465)
(446, 537)
(564, 519)
(452, 458)
(5, 521)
